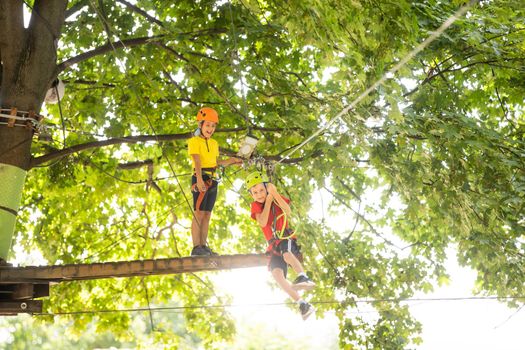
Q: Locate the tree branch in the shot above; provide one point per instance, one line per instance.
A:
(502, 105)
(103, 18)
(107, 48)
(48, 15)
(364, 219)
(129, 139)
(278, 158)
(113, 141)
(135, 165)
(449, 69)
(141, 12)
(88, 82)
(75, 8)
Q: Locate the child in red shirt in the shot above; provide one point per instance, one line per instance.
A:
(270, 209)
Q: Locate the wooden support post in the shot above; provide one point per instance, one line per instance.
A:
(41, 290)
(23, 291)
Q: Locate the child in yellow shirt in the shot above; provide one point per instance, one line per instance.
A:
(204, 152)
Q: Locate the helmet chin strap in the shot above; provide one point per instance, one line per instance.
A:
(199, 129)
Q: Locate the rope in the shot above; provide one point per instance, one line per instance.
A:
(325, 302)
(279, 234)
(386, 76)
(61, 117)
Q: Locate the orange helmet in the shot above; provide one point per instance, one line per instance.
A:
(208, 114)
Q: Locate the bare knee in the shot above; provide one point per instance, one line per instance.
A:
(201, 215)
(278, 274)
(289, 257)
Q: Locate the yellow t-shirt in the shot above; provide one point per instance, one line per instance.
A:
(207, 149)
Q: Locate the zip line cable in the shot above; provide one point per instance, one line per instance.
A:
(327, 302)
(455, 16)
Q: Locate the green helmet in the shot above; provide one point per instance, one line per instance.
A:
(255, 178)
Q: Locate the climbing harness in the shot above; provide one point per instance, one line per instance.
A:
(284, 232)
(212, 176)
(209, 184)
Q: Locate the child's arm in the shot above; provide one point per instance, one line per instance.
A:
(198, 172)
(262, 218)
(272, 190)
(229, 161)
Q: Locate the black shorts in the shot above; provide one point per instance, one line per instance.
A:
(209, 197)
(276, 257)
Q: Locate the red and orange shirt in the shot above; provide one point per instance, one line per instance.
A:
(275, 211)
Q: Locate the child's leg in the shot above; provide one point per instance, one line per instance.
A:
(205, 223)
(293, 262)
(278, 275)
(207, 206)
(196, 225)
(290, 251)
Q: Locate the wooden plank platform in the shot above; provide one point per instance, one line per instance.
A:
(20, 285)
(61, 273)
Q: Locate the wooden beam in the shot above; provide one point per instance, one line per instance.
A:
(17, 307)
(23, 291)
(60, 273)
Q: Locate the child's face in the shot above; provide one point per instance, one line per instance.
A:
(208, 128)
(259, 193)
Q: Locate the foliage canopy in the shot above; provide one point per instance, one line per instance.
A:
(440, 145)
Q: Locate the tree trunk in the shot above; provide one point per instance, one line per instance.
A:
(28, 60)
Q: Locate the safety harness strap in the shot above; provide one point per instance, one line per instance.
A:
(208, 183)
(278, 235)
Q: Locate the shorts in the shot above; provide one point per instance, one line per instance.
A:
(276, 257)
(208, 198)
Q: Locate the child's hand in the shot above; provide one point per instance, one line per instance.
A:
(236, 161)
(271, 189)
(269, 197)
(201, 185)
